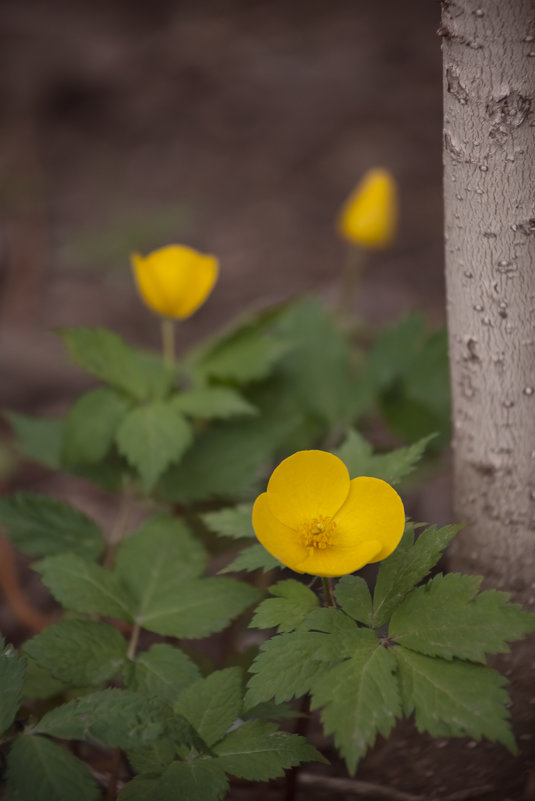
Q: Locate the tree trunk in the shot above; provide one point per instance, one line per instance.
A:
(489, 191)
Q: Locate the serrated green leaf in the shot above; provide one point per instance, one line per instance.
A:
(39, 683)
(406, 566)
(271, 711)
(91, 424)
(359, 699)
(345, 635)
(258, 751)
(163, 671)
(234, 522)
(392, 467)
(353, 596)
(151, 438)
(255, 557)
(42, 526)
(83, 586)
(237, 452)
(454, 699)
(117, 718)
(212, 704)
(288, 609)
(286, 667)
(159, 557)
(40, 770)
(12, 670)
(80, 653)
(447, 618)
(395, 349)
(212, 402)
(196, 608)
(38, 438)
(201, 780)
(106, 356)
(154, 757)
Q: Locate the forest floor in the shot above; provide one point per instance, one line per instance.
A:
(238, 127)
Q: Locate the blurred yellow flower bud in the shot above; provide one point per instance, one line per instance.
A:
(369, 215)
(175, 280)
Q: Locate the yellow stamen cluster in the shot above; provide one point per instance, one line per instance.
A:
(317, 533)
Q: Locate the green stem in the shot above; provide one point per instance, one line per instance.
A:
(354, 264)
(118, 529)
(168, 342)
(327, 589)
(132, 644)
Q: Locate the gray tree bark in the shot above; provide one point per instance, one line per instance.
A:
(489, 191)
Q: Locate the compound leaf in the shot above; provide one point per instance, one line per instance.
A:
(288, 609)
(234, 522)
(163, 671)
(212, 402)
(91, 424)
(212, 704)
(255, 557)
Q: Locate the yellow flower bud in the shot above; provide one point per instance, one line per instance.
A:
(175, 280)
(369, 215)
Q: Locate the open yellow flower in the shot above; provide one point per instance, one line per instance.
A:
(175, 280)
(314, 519)
(369, 215)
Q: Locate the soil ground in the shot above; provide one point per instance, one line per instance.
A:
(238, 127)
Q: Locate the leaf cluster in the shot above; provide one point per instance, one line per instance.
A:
(411, 649)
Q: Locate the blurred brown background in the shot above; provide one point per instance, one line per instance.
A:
(235, 126)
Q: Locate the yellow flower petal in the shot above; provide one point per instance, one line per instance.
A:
(369, 216)
(278, 539)
(339, 561)
(175, 280)
(373, 511)
(307, 485)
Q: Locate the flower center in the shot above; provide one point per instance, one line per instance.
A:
(317, 533)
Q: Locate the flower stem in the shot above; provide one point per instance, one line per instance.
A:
(327, 589)
(132, 644)
(354, 263)
(168, 342)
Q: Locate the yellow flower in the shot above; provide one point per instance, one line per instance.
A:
(314, 519)
(369, 215)
(175, 280)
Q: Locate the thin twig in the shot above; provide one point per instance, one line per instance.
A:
(116, 760)
(380, 792)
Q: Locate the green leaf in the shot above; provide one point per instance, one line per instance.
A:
(159, 557)
(85, 587)
(106, 356)
(395, 349)
(255, 557)
(80, 653)
(212, 704)
(237, 453)
(201, 780)
(406, 566)
(286, 667)
(258, 751)
(163, 671)
(39, 683)
(39, 439)
(197, 608)
(318, 362)
(42, 526)
(447, 618)
(353, 596)
(91, 424)
(245, 356)
(12, 670)
(234, 522)
(117, 718)
(392, 467)
(40, 770)
(151, 438)
(454, 699)
(212, 402)
(140, 788)
(288, 609)
(360, 699)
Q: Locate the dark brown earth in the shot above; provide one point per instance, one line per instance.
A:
(239, 128)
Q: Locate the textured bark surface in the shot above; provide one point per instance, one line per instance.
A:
(489, 188)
